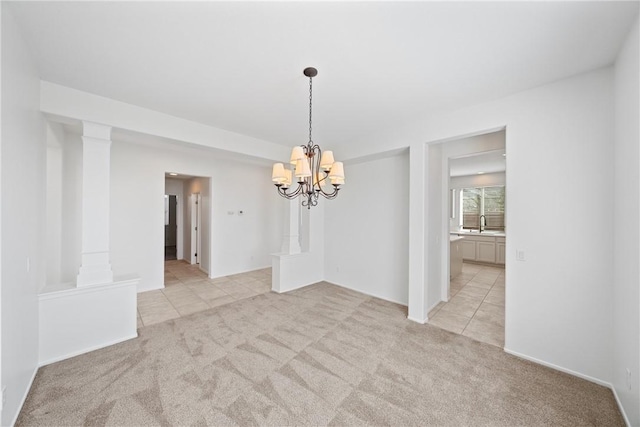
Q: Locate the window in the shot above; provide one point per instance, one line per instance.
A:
(487, 201)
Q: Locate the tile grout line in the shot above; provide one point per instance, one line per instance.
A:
(474, 313)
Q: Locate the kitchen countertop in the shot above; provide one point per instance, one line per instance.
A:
(475, 233)
(455, 238)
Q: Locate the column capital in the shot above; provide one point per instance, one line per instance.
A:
(96, 130)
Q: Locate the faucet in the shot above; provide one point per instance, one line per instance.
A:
(485, 223)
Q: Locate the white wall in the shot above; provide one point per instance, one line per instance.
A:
(238, 243)
(558, 301)
(435, 224)
(366, 229)
(55, 139)
(23, 179)
(626, 214)
(64, 205)
(293, 271)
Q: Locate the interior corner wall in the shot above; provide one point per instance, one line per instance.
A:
(626, 212)
(366, 229)
(239, 243)
(23, 181)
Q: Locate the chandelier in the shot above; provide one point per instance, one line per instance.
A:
(316, 173)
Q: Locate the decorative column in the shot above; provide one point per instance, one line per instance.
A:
(96, 147)
(291, 237)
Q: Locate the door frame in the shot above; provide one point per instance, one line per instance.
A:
(195, 201)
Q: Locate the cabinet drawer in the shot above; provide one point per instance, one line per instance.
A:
(478, 238)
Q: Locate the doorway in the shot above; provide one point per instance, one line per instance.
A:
(170, 227)
(196, 227)
(473, 195)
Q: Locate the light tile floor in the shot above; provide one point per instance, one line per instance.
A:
(188, 290)
(476, 305)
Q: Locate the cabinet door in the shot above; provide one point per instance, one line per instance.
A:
(500, 253)
(486, 252)
(469, 250)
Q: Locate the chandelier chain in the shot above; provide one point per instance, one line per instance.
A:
(310, 104)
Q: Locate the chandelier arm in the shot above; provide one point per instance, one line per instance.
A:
(291, 195)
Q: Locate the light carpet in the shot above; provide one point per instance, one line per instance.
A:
(321, 355)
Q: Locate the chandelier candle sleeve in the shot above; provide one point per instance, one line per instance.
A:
(302, 169)
(337, 171)
(278, 175)
(316, 173)
(327, 160)
(296, 154)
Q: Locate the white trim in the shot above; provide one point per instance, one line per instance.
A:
(575, 374)
(44, 295)
(87, 350)
(422, 322)
(434, 306)
(558, 368)
(24, 398)
(624, 414)
(293, 289)
(367, 293)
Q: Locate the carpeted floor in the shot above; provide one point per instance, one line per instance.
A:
(318, 356)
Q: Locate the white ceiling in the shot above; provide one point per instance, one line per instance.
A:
(238, 66)
(489, 162)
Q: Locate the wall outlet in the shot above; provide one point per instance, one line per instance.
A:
(520, 255)
(629, 378)
(4, 398)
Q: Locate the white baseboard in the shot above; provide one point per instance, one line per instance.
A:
(24, 398)
(422, 322)
(87, 350)
(624, 414)
(558, 368)
(575, 374)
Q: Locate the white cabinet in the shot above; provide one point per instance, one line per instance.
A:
(468, 249)
(500, 250)
(486, 251)
(489, 249)
(455, 257)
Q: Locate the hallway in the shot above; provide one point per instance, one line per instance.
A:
(476, 305)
